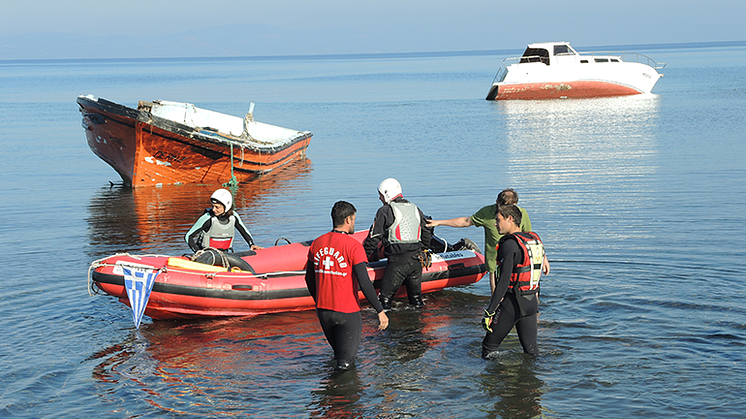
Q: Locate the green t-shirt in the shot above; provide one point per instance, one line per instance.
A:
(485, 218)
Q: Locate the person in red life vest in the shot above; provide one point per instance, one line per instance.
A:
(400, 226)
(216, 227)
(515, 300)
(336, 269)
(485, 218)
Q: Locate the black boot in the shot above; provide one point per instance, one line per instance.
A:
(385, 302)
(416, 301)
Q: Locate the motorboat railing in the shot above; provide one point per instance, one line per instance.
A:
(500, 75)
(503, 71)
(627, 57)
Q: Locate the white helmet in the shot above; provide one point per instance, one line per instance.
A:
(223, 196)
(389, 189)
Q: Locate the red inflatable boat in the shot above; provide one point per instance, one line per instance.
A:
(270, 281)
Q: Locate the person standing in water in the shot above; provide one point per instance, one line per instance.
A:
(485, 218)
(336, 269)
(400, 226)
(515, 300)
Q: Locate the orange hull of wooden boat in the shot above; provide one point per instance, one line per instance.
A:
(145, 154)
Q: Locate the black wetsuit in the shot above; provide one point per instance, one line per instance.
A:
(403, 266)
(509, 310)
(194, 236)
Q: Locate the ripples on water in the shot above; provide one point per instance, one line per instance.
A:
(640, 201)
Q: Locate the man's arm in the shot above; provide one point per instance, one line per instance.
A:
(459, 222)
(510, 252)
(363, 280)
(311, 279)
(375, 234)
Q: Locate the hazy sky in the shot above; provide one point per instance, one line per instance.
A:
(385, 25)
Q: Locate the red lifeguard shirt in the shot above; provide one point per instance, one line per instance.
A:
(333, 255)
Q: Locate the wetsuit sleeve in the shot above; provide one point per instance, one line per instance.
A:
(245, 233)
(192, 236)
(311, 279)
(508, 254)
(426, 234)
(375, 234)
(361, 273)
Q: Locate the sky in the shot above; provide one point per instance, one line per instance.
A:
(38, 29)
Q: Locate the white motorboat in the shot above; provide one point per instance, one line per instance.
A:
(552, 70)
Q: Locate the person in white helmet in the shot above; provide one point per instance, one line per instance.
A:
(400, 227)
(216, 227)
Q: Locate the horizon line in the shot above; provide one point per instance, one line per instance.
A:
(416, 54)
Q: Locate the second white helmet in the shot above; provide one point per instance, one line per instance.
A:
(389, 189)
(224, 197)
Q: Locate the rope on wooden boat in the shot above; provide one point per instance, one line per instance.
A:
(233, 183)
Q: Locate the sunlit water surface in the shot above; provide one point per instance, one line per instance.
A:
(640, 200)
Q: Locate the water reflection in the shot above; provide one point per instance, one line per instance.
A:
(155, 219)
(217, 367)
(338, 396)
(513, 381)
(578, 141)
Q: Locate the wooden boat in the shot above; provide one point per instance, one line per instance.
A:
(553, 70)
(163, 142)
(271, 280)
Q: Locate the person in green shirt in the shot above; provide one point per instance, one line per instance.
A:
(485, 218)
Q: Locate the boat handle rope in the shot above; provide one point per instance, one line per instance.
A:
(99, 263)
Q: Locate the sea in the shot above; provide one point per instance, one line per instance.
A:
(641, 202)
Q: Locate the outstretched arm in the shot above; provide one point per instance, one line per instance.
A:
(453, 222)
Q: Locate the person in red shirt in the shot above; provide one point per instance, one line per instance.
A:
(336, 269)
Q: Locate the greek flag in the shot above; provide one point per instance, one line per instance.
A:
(139, 282)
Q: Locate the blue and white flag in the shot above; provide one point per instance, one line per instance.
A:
(139, 282)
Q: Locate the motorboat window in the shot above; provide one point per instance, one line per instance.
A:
(535, 55)
(614, 60)
(602, 60)
(563, 50)
(584, 61)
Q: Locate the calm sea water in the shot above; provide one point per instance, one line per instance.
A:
(641, 202)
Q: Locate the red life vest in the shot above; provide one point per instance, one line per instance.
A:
(526, 275)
